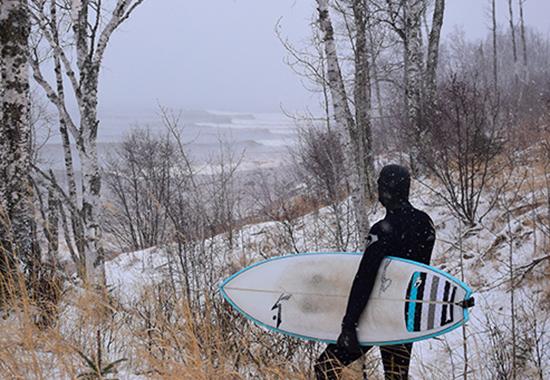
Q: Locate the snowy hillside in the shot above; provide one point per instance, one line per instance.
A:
(511, 236)
(164, 319)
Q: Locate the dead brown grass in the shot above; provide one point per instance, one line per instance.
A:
(157, 336)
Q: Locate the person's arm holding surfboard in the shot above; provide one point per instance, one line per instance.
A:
(421, 235)
(376, 250)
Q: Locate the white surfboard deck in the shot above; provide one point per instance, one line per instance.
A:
(305, 296)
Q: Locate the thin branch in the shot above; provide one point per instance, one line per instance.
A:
(52, 95)
(122, 11)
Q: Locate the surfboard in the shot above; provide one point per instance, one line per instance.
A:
(305, 296)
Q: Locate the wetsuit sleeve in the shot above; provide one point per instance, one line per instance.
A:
(376, 250)
(426, 240)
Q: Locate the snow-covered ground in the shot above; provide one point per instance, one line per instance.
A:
(514, 233)
(486, 251)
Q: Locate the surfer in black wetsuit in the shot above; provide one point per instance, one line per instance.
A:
(404, 232)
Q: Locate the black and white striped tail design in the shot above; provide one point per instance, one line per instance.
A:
(430, 302)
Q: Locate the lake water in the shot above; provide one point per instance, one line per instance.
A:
(262, 139)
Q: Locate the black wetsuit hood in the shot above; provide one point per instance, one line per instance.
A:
(394, 185)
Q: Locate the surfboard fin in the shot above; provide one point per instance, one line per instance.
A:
(467, 303)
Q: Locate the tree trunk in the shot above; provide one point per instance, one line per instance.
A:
(76, 220)
(523, 41)
(375, 75)
(16, 193)
(91, 178)
(514, 46)
(433, 51)
(495, 52)
(512, 31)
(52, 224)
(363, 108)
(344, 118)
(413, 60)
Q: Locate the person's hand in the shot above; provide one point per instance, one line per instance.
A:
(348, 340)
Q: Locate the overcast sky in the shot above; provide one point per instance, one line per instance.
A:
(224, 55)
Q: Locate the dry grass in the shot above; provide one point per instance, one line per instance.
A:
(158, 336)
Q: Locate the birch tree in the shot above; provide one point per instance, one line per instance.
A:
(16, 195)
(525, 68)
(420, 55)
(362, 101)
(88, 34)
(413, 60)
(495, 52)
(355, 129)
(432, 58)
(522, 33)
(514, 44)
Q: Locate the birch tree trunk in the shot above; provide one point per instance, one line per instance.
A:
(525, 73)
(356, 142)
(363, 105)
(76, 219)
(495, 52)
(91, 208)
(433, 51)
(413, 60)
(514, 45)
(86, 142)
(375, 75)
(91, 33)
(512, 31)
(52, 232)
(16, 193)
(419, 77)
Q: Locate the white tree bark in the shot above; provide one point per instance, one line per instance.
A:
(433, 51)
(525, 71)
(356, 151)
(405, 17)
(495, 53)
(522, 32)
(413, 60)
(64, 123)
(16, 194)
(514, 45)
(512, 31)
(362, 100)
(90, 43)
(52, 225)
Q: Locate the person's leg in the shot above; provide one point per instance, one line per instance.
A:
(396, 361)
(332, 360)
